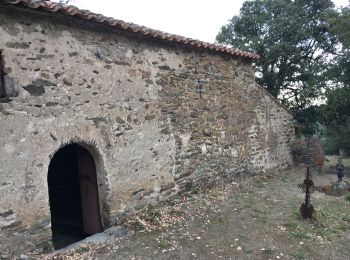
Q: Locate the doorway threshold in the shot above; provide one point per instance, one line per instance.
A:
(118, 232)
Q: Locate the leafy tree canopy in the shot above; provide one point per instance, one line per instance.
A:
(340, 28)
(294, 41)
(336, 112)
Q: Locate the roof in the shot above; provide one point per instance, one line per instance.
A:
(72, 11)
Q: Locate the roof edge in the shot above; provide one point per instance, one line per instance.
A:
(72, 11)
(274, 99)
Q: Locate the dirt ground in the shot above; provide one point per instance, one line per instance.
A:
(254, 218)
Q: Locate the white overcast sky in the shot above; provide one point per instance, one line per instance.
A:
(198, 19)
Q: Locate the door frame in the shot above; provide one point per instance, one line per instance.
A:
(95, 153)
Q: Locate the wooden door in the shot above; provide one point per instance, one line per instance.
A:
(89, 192)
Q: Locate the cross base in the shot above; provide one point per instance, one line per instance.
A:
(306, 211)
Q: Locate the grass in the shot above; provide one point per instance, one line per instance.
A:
(260, 184)
(296, 231)
(321, 232)
(136, 225)
(152, 215)
(347, 197)
(268, 252)
(328, 222)
(285, 178)
(332, 160)
(248, 251)
(243, 237)
(291, 225)
(164, 242)
(342, 227)
(296, 213)
(299, 255)
(176, 212)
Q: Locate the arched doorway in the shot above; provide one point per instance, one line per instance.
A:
(73, 195)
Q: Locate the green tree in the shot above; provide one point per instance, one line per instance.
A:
(340, 28)
(336, 112)
(336, 117)
(293, 39)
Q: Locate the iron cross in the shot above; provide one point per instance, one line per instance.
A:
(306, 209)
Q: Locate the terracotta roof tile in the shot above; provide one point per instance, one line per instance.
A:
(47, 6)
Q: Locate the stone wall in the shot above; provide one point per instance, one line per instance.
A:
(308, 151)
(156, 117)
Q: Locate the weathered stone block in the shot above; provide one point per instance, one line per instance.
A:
(12, 87)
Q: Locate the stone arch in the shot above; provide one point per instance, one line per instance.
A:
(77, 192)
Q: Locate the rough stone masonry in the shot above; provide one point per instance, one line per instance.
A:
(156, 116)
